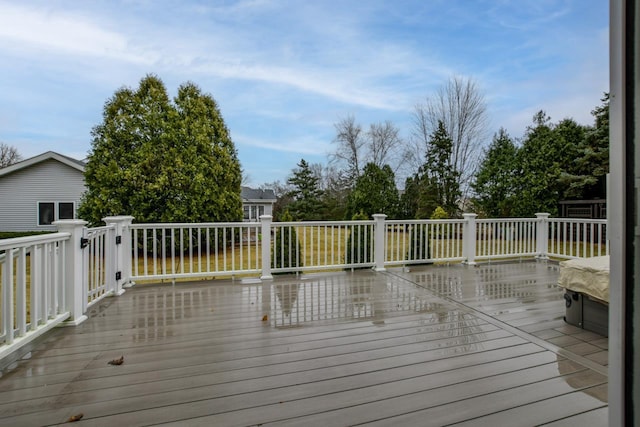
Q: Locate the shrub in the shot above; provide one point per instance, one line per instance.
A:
(420, 247)
(439, 213)
(420, 244)
(287, 247)
(361, 252)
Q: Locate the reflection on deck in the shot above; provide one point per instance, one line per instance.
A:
(498, 282)
(364, 298)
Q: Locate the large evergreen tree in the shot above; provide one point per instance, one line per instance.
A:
(408, 205)
(547, 152)
(494, 184)
(585, 176)
(440, 178)
(539, 169)
(555, 162)
(162, 161)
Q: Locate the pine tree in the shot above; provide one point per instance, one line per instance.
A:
(494, 183)
(306, 194)
(440, 181)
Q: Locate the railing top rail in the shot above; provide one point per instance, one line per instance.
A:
(425, 221)
(246, 224)
(321, 223)
(580, 220)
(103, 228)
(193, 225)
(19, 242)
(483, 220)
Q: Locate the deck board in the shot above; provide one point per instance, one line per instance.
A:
(447, 344)
(594, 417)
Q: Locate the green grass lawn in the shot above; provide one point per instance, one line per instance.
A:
(14, 234)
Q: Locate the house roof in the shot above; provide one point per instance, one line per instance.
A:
(74, 163)
(251, 194)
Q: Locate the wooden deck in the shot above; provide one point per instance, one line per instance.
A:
(436, 346)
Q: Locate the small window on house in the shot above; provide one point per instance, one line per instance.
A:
(46, 213)
(246, 212)
(253, 212)
(65, 210)
(260, 211)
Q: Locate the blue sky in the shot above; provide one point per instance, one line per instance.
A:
(283, 72)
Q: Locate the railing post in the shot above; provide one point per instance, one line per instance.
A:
(122, 254)
(542, 236)
(469, 239)
(265, 241)
(75, 299)
(380, 229)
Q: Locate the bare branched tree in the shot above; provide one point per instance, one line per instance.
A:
(8, 155)
(246, 178)
(461, 106)
(380, 145)
(318, 170)
(384, 143)
(349, 140)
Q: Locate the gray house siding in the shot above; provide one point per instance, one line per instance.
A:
(47, 181)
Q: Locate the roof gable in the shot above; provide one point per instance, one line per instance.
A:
(75, 164)
(252, 194)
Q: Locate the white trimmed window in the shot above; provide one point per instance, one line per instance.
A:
(253, 212)
(48, 212)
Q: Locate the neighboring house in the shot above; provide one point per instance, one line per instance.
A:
(256, 203)
(38, 191)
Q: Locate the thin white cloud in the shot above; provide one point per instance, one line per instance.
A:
(321, 83)
(29, 28)
(302, 145)
(525, 15)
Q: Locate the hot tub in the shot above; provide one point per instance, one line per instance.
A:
(586, 284)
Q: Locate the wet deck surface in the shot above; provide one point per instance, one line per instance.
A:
(435, 346)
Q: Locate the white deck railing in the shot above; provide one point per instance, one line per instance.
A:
(506, 238)
(54, 279)
(577, 238)
(322, 245)
(172, 251)
(423, 241)
(33, 288)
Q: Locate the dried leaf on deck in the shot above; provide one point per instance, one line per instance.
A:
(116, 362)
(75, 418)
